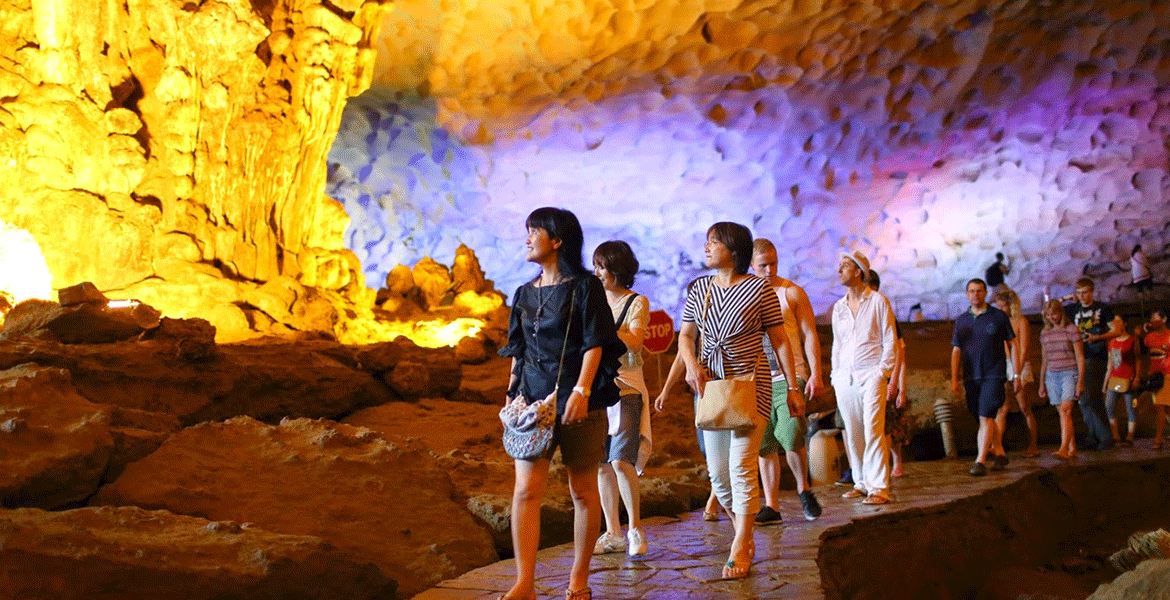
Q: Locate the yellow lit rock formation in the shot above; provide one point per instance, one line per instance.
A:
(174, 152)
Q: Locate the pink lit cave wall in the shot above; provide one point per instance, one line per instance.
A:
(928, 136)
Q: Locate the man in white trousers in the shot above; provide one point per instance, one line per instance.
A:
(862, 359)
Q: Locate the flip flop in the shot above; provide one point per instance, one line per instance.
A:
(731, 571)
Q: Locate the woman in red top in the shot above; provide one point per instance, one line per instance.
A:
(1157, 343)
(1120, 383)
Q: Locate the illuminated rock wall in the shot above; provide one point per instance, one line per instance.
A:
(174, 152)
(929, 136)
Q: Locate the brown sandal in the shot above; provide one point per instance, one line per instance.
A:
(581, 594)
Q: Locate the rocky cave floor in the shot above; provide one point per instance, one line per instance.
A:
(157, 464)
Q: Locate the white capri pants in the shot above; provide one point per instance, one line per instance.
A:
(861, 399)
(733, 466)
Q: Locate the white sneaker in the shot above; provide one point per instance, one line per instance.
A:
(609, 543)
(637, 542)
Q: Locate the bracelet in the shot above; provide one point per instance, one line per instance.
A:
(581, 390)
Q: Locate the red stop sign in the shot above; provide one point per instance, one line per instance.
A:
(660, 332)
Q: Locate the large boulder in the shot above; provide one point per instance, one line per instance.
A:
(389, 503)
(136, 433)
(195, 382)
(127, 552)
(54, 444)
(1151, 579)
(83, 322)
(466, 436)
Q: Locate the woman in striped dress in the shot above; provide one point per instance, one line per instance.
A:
(729, 313)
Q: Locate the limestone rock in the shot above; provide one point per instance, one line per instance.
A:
(1153, 544)
(471, 350)
(193, 339)
(128, 552)
(466, 274)
(435, 282)
(125, 143)
(81, 293)
(82, 322)
(55, 445)
(400, 280)
(1151, 579)
(136, 433)
(411, 379)
(341, 483)
(267, 381)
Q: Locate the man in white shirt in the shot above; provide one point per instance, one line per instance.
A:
(862, 359)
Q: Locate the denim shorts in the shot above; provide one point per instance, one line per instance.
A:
(624, 446)
(1061, 386)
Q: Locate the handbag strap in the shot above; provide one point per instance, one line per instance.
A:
(568, 328)
(702, 325)
(564, 348)
(622, 317)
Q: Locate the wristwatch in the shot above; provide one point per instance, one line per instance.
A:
(581, 390)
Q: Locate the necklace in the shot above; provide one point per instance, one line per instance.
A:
(541, 301)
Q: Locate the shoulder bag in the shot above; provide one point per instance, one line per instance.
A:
(528, 428)
(725, 404)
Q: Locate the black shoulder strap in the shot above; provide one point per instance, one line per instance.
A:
(622, 317)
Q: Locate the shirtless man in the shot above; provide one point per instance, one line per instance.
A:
(785, 431)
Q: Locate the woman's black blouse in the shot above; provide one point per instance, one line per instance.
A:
(537, 345)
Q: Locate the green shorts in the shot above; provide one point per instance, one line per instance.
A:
(783, 431)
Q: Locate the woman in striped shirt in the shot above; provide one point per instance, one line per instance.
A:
(729, 313)
(1062, 371)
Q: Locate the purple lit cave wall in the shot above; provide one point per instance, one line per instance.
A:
(927, 139)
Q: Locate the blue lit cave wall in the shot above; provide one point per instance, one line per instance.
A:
(1055, 154)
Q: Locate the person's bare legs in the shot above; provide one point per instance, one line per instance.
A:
(895, 461)
(607, 486)
(987, 439)
(1030, 419)
(713, 507)
(770, 479)
(741, 546)
(1068, 441)
(627, 482)
(1001, 417)
(527, 494)
(586, 522)
(798, 462)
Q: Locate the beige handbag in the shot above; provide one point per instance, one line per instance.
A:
(1118, 384)
(726, 404)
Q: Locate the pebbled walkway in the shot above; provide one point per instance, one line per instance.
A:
(686, 554)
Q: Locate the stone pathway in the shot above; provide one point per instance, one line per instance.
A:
(686, 554)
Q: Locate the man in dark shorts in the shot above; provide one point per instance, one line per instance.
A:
(979, 343)
(1097, 324)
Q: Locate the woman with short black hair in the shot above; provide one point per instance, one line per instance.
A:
(629, 441)
(563, 346)
(729, 313)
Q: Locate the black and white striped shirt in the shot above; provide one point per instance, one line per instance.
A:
(732, 330)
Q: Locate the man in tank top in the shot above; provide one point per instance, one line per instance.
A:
(783, 430)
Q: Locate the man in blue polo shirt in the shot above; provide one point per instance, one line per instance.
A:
(979, 343)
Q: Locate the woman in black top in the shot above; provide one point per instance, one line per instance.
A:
(564, 300)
